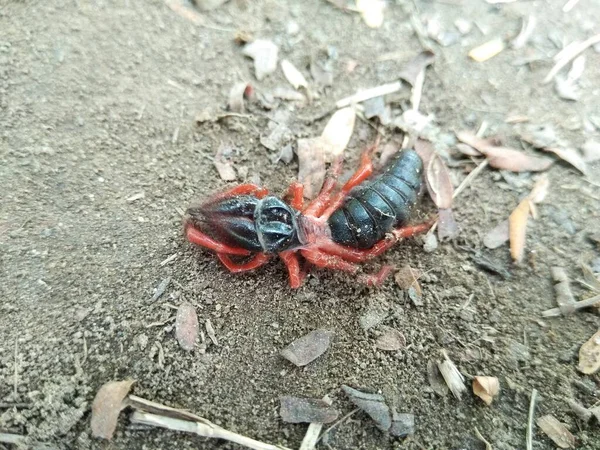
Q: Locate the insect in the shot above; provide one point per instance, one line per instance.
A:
(340, 228)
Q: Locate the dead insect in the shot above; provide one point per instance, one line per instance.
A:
(336, 230)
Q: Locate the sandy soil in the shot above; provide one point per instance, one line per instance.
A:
(97, 104)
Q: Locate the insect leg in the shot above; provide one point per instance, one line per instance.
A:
(290, 259)
(296, 192)
(197, 237)
(256, 261)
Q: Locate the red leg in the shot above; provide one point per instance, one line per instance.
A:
(357, 255)
(256, 261)
(197, 237)
(321, 259)
(316, 206)
(242, 189)
(364, 171)
(290, 258)
(296, 192)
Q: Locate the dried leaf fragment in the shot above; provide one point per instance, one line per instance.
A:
(337, 132)
(407, 277)
(447, 226)
(373, 404)
(186, 326)
(308, 348)
(391, 340)
(517, 223)
(306, 410)
(571, 156)
(589, 355)
(236, 97)
(487, 50)
(106, 407)
(264, 53)
(311, 165)
(293, 75)
(556, 431)
(439, 183)
(452, 377)
(486, 388)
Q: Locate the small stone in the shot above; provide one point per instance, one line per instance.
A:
(431, 243)
(186, 326)
(402, 425)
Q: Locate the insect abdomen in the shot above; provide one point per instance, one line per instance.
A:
(376, 206)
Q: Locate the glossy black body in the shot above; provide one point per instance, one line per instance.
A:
(380, 204)
(260, 225)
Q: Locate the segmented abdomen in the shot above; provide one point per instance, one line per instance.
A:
(376, 206)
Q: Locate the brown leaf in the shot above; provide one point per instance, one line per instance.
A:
(186, 326)
(591, 151)
(518, 229)
(556, 431)
(425, 151)
(571, 156)
(311, 165)
(504, 157)
(447, 226)
(407, 277)
(438, 182)
(589, 355)
(497, 235)
(106, 407)
(264, 53)
(337, 132)
(308, 348)
(486, 388)
(411, 70)
(391, 340)
(236, 97)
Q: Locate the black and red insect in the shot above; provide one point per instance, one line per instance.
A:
(338, 229)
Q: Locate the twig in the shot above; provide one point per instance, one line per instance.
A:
(16, 373)
(417, 91)
(206, 429)
(528, 438)
(15, 439)
(567, 309)
(488, 446)
(367, 94)
(343, 419)
(469, 178)
(169, 259)
(567, 58)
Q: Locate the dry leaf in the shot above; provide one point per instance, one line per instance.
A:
(439, 183)
(487, 50)
(311, 165)
(589, 277)
(589, 355)
(518, 229)
(236, 97)
(391, 340)
(186, 326)
(486, 388)
(540, 189)
(452, 377)
(556, 431)
(337, 132)
(306, 410)
(371, 12)
(467, 150)
(571, 156)
(407, 277)
(308, 347)
(591, 151)
(264, 53)
(106, 407)
(497, 235)
(504, 157)
(293, 75)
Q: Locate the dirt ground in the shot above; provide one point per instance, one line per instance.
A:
(97, 105)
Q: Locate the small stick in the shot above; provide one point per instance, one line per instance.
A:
(567, 58)
(343, 419)
(15, 439)
(488, 446)
(206, 429)
(469, 178)
(16, 373)
(367, 94)
(417, 91)
(529, 438)
(556, 312)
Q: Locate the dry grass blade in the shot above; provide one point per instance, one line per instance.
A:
(573, 53)
(205, 429)
(529, 435)
(311, 165)
(589, 277)
(293, 75)
(488, 446)
(367, 94)
(571, 156)
(106, 407)
(556, 431)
